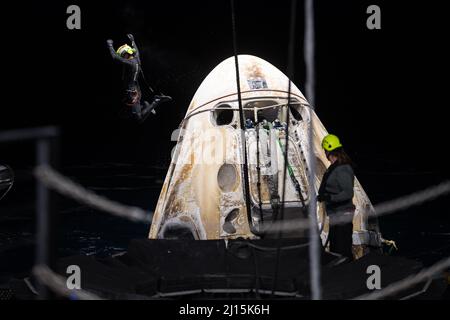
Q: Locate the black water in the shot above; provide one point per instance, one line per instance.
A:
(81, 230)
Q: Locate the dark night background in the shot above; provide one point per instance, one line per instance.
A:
(383, 92)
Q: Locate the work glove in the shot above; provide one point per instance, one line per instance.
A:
(130, 36)
(109, 42)
(326, 197)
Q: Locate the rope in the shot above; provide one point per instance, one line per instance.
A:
(58, 284)
(146, 83)
(412, 199)
(63, 185)
(143, 77)
(404, 202)
(425, 274)
(258, 169)
(290, 75)
(242, 125)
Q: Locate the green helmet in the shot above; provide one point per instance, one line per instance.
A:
(331, 142)
(125, 49)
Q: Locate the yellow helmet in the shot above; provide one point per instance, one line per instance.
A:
(331, 142)
(125, 49)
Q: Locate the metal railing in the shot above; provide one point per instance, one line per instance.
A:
(46, 141)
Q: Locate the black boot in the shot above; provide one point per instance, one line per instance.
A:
(157, 100)
(161, 98)
(146, 110)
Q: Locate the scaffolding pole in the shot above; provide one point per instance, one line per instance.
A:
(314, 248)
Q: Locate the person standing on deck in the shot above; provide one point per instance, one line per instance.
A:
(336, 191)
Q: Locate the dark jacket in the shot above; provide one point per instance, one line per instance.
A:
(338, 182)
(131, 70)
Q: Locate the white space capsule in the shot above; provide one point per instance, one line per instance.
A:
(203, 196)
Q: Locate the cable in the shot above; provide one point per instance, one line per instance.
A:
(242, 125)
(258, 169)
(146, 83)
(290, 75)
(54, 180)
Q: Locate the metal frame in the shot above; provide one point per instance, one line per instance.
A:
(46, 143)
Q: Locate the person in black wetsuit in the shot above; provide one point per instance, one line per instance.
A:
(129, 57)
(336, 191)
